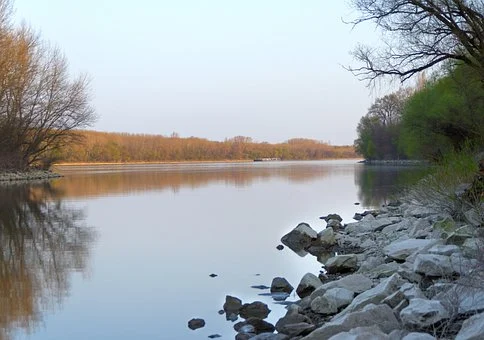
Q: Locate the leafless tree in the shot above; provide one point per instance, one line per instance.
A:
(40, 105)
(419, 34)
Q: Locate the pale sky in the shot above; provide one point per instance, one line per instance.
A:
(266, 69)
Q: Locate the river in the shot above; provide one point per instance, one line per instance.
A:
(126, 252)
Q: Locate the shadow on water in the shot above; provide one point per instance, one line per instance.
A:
(379, 184)
(42, 241)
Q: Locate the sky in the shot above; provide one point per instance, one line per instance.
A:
(267, 69)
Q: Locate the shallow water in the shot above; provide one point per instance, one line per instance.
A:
(125, 252)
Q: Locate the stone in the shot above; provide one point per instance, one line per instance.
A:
(362, 333)
(291, 318)
(433, 265)
(443, 249)
(196, 324)
(255, 309)
(401, 250)
(422, 313)
(214, 336)
(332, 300)
(394, 299)
(418, 336)
(300, 237)
(342, 264)
(321, 305)
(260, 326)
(326, 237)
(280, 284)
(385, 270)
(381, 316)
(356, 283)
(370, 224)
(307, 285)
(280, 247)
(475, 216)
(232, 305)
(411, 291)
(270, 336)
(462, 265)
(402, 225)
(375, 295)
(332, 217)
(472, 328)
(334, 224)
(300, 328)
(466, 298)
(472, 247)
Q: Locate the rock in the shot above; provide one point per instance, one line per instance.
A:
(401, 250)
(441, 249)
(213, 275)
(393, 228)
(301, 328)
(475, 216)
(356, 283)
(370, 224)
(232, 305)
(308, 284)
(375, 295)
(255, 309)
(300, 238)
(260, 326)
(214, 336)
(342, 264)
(418, 336)
(334, 224)
(332, 217)
(196, 324)
(385, 270)
(280, 247)
(381, 316)
(280, 284)
(463, 265)
(326, 237)
(472, 247)
(411, 291)
(362, 333)
(332, 300)
(357, 216)
(270, 336)
(419, 212)
(394, 299)
(433, 265)
(261, 287)
(284, 325)
(463, 298)
(472, 328)
(422, 313)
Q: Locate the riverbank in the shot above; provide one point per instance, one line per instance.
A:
(402, 272)
(397, 162)
(14, 176)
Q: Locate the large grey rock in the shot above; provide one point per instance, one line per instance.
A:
(422, 313)
(342, 263)
(370, 224)
(259, 325)
(332, 300)
(411, 291)
(375, 295)
(379, 315)
(418, 336)
(308, 284)
(334, 224)
(401, 250)
(286, 324)
(269, 336)
(356, 283)
(326, 237)
(300, 237)
(402, 225)
(281, 285)
(464, 298)
(472, 247)
(433, 265)
(255, 309)
(462, 265)
(232, 307)
(362, 333)
(444, 249)
(472, 328)
(384, 270)
(475, 216)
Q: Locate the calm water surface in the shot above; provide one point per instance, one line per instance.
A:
(126, 252)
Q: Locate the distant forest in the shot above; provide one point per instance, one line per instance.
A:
(124, 147)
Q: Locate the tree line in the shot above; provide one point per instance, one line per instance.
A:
(125, 147)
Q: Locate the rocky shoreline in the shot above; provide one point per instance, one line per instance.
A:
(11, 176)
(403, 272)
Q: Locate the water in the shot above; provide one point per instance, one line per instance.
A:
(126, 252)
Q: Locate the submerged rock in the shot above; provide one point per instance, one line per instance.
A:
(196, 324)
(280, 284)
(255, 309)
(300, 238)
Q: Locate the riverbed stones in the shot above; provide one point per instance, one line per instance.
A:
(342, 264)
(401, 250)
(421, 313)
(196, 323)
(308, 284)
(281, 285)
(256, 309)
(300, 238)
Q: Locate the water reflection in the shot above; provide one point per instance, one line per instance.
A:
(42, 240)
(379, 184)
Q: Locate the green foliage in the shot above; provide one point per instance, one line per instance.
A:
(445, 115)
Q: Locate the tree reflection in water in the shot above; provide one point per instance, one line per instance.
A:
(42, 240)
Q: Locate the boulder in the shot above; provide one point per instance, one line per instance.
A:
(418, 336)
(356, 283)
(270, 336)
(421, 313)
(232, 305)
(259, 325)
(362, 333)
(284, 325)
(281, 285)
(342, 264)
(465, 297)
(196, 324)
(255, 309)
(322, 306)
(475, 216)
(333, 224)
(300, 238)
(472, 328)
(444, 249)
(332, 300)
(326, 237)
(375, 295)
(308, 284)
(370, 224)
(411, 291)
(401, 250)
(433, 265)
(332, 217)
(381, 316)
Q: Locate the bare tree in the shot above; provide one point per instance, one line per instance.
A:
(40, 106)
(419, 34)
